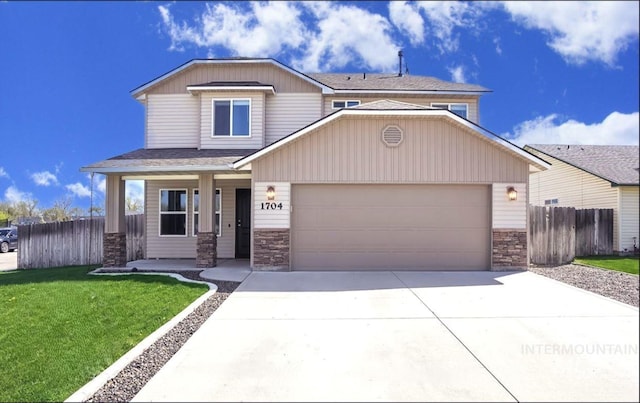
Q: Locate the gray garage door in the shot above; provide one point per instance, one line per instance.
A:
(411, 227)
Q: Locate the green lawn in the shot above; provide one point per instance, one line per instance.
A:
(619, 263)
(61, 327)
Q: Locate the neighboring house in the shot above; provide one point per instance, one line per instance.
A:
(592, 176)
(249, 158)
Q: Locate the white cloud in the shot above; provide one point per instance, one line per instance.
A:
(408, 20)
(457, 74)
(319, 35)
(134, 189)
(78, 189)
(581, 31)
(14, 195)
(3, 173)
(44, 178)
(616, 129)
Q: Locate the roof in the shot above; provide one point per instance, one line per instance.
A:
(387, 104)
(391, 82)
(169, 160)
(413, 110)
(335, 83)
(616, 164)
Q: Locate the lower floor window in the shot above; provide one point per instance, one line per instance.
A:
(196, 211)
(173, 212)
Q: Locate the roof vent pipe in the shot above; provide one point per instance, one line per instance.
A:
(364, 76)
(400, 63)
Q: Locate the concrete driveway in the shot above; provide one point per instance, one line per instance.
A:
(8, 261)
(407, 336)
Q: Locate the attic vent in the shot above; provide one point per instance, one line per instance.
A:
(392, 136)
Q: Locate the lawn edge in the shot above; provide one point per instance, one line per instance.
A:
(602, 268)
(114, 369)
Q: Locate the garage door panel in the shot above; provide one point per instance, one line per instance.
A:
(383, 226)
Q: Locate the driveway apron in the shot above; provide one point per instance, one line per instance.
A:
(406, 336)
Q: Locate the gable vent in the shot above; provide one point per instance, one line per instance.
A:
(392, 136)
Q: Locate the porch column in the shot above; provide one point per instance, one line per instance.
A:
(114, 244)
(207, 239)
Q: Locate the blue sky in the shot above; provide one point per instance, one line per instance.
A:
(561, 72)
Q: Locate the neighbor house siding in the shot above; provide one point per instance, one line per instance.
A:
(629, 216)
(254, 141)
(265, 73)
(434, 150)
(173, 121)
(424, 100)
(574, 187)
(185, 247)
(287, 113)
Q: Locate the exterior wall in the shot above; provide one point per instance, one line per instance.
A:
(172, 121)
(425, 100)
(265, 73)
(434, 150)
(271, 249)
(509, 214)
(629, 217)
(254, 141)
(509, 249)
(574, 187)
(186, 246)
(287, 113)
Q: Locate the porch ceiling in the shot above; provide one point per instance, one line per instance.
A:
(169, 161)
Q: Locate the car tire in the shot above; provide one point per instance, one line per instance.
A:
(4, 247)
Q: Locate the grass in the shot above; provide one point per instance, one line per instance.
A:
(62, 327)
(627, 264)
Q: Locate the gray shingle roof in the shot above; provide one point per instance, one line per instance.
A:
(357, 81)
(617, 164)
(168, 159)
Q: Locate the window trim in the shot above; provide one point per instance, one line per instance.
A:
(449, 104)
(185, 212)
(213, 118)
(346, 101)
(193, 212)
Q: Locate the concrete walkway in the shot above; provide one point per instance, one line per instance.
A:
(407, 336)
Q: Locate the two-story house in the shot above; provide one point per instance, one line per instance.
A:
(249, 158)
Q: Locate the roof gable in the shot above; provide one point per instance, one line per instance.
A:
(615, 163)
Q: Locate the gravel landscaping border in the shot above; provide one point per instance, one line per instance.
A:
(622, 287)
(128, 382)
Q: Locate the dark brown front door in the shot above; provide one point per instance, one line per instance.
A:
(243, 223)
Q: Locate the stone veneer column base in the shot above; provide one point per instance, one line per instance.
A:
(271, 249)
(509, 249)
(207, 250)
(114, 249)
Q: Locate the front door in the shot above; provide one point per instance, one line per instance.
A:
(243, 223)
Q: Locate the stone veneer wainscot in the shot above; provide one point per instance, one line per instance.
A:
(509, 249)
(271, 249)
(114, 246)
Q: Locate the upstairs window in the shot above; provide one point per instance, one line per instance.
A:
(173, 212)
(458, 109)
(231, 117)
(344, 104)
(196, 211)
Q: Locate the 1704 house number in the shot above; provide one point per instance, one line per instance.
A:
(271, 206)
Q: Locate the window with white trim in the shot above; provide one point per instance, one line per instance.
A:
(344, 104)
(550, 202)
(231, 117)
(173, 212)
(218, 209)
(459, 109)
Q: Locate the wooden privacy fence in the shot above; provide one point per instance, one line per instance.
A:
(70, 243)
(558, 234)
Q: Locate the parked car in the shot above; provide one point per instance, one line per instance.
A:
(8, 239)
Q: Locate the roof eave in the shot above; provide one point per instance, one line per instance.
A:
(265, 88)
(416, 92)
(157, 168)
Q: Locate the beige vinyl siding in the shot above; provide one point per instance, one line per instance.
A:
(434, 150)
(509, 214)
(287, 113)
(173, 121)
(265, 73)
(254, 141)
(629, 216)
(185, 247)
(573, 187)
(425, 100)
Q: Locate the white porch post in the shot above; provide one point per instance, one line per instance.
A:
(207, 237)
(114, 253)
